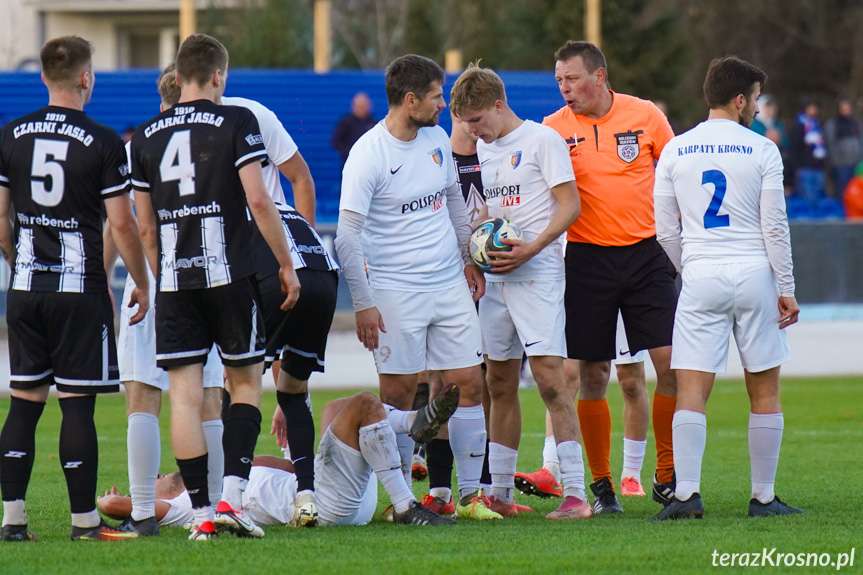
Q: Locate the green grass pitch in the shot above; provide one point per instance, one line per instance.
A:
(819, 470)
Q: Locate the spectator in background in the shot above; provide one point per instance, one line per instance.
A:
(844, 145)
(808, 152)
(767, 124)
(353, 125)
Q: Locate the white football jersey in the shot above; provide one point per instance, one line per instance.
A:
(717, 172)
(268, 499)
(518, 172)
(279, 144)
(408, 240)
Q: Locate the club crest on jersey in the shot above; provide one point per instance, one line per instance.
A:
(627, 145)
(437, 156)
(515, 159)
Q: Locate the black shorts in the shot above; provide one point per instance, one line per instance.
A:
(189, 322)
(65, 339)
(299, 335)
(638, 280)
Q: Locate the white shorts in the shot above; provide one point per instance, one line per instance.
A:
(345, 485)
(718, 299)
(623, 355)
(436, 330)
(523, 317)
(136, 346)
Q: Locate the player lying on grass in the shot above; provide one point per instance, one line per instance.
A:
(359, 438)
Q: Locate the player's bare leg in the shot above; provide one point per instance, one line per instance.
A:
(293, 396)
(664, 400)
(398, 391)
(242, 427)
(187, 436)
(636, 418)
(766, 423)
(551, 383)
(467, 435)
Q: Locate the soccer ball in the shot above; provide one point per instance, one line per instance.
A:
(487, 238)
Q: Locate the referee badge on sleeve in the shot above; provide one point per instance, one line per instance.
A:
(627, 145)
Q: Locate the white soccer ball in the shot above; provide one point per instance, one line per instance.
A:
(487, 238)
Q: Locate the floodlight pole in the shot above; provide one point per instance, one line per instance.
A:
(593, 22)
(323, 36)
(187, 19)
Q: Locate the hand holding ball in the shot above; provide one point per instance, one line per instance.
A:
(487, 239)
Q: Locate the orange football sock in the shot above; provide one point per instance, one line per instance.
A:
(595, 420)
(663, 414)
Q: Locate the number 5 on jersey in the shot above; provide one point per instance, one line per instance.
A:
(712, 219)
(177, 165)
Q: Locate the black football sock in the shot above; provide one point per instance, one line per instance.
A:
(242, 427)
(485, 476)
(194, 474)
(79, 451)
(18, 447)
(226, 404)
(439, 459)
(301, 437)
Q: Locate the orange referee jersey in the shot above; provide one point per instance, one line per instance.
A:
(613, 159)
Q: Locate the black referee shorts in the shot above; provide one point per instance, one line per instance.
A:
(189, 322)
(300, 334)
(638, 280)
(65, 339)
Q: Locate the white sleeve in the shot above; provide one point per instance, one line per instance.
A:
(359, 181)
(667, 213)
(774, 221)
(460, 219)
(552, 156)
(351, 259)
(279, 144)
(180, 512)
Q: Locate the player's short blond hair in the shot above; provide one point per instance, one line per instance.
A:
(476, 89)
(169, 90)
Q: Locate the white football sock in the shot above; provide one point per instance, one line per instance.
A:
(502, 462)
(143, 444)
(215, 458)
(14, 513)
(378, 446)
(689, 436)
(406, 453)
(467, 438)
(204, 514)
(633, 458)
(765, 439)
(86, 520)
(444, 493)
(400, 421)
(550, 461)
(232, 491)
(571, 469)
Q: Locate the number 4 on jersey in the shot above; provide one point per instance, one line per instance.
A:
(177, 165)
(712, 219)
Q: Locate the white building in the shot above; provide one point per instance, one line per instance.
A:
(125, 33)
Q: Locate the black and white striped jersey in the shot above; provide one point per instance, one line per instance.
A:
(307, 248)
(188, 159)
(59, 165)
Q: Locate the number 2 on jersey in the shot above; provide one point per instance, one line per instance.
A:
(177, 165)
(712, 219)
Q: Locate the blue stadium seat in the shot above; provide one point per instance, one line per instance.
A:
(829, 209)
(798, 208)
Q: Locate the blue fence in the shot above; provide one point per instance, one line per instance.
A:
(308, 104)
